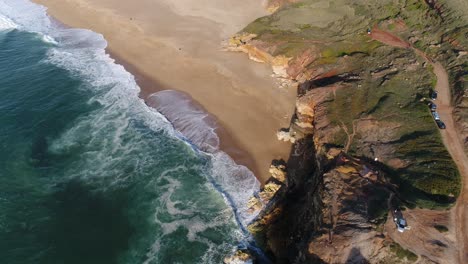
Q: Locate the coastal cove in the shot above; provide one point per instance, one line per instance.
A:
(235, 132)
(91, 173)
(183, 52)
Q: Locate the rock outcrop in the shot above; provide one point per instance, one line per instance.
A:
(355, 198)
(362, 132)
(239, 257)
(273, 5)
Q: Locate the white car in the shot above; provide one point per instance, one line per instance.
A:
(400, 222)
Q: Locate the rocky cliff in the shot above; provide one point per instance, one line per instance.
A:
(364, 139)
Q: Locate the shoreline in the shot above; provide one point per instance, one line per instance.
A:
(239, 93)
(227, 143)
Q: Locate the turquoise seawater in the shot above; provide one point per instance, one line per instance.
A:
(89, 173)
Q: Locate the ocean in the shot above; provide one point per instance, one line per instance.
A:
(89, 173)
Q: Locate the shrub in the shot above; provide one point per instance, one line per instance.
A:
(402, 253)
(441, 228)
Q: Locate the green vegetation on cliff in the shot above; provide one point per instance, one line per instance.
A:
(397, 101)
(402, 253)
(382, 113)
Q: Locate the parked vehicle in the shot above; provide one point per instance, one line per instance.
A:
(435, 115)
(400, 222)
(432, 106)
(433, 94)
(440, 124)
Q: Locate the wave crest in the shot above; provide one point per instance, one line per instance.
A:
(82, 52)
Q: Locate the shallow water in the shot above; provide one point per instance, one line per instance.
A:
(88, 172)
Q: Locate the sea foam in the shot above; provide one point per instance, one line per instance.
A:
(82, 52)
(7, 24)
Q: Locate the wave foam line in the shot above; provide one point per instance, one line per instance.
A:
(82, 52)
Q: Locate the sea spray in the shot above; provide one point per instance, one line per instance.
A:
(187, 117)
(236, 182)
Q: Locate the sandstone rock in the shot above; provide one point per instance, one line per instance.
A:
(285, 136)
(280, 71)
(240, 257)
(274, 5)
(278, 172)
(269, 190)
(261, 52)
(254, 204)
(240, 39)
(304, 106)
(306, 125)
(299, 63)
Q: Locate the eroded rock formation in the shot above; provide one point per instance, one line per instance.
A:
(363, 137)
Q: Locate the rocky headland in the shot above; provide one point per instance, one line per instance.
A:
(364, 140)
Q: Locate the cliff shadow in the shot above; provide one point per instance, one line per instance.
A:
(355, 257)
(406, 191)
(289, 224)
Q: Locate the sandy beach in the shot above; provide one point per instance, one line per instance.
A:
(178, 45)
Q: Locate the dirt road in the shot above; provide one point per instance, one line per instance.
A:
(454, 145)
(453, 142)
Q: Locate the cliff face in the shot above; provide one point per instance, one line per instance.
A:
(361, 96)
(295, 209)
(365, 141)
(355, 200)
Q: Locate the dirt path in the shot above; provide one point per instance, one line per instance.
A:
(349, 135)
(451, 139)
(454, 145)
(388, 38)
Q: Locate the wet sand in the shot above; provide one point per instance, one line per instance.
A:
(177, 45)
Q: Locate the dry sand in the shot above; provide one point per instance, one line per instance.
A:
(177, 44)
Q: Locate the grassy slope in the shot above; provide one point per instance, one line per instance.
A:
(337, 29)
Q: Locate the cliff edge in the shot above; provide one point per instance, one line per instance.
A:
(365, 140)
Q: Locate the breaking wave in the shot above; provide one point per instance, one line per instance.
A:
(82, 53)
